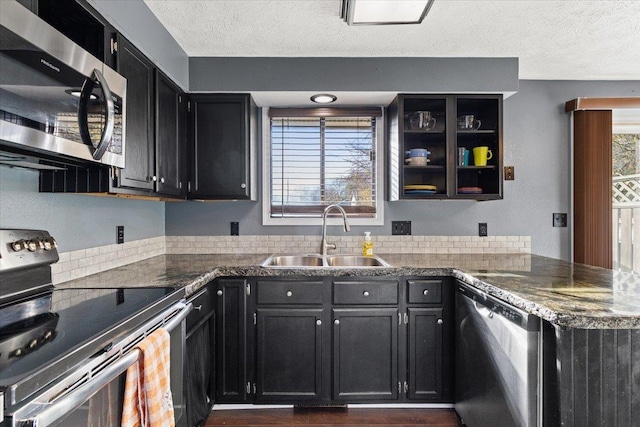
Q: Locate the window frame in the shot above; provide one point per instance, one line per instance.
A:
(380, 158)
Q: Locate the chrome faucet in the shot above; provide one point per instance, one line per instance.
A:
(325, 245)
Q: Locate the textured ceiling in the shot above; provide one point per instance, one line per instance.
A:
(554, 40)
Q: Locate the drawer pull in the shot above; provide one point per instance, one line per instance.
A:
(198, 307)
(318, 322)
(425, 292)
(289, 293)
(440, 322)
(365, 293)
(219, 292)
(336, 322)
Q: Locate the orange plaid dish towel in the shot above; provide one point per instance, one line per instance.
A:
(147, 392)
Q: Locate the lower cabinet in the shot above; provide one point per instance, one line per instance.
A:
(288, 354)
(199, 361)
(232, 342)
(365, 354)
(334, 340)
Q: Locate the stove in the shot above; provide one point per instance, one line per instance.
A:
(49, 334)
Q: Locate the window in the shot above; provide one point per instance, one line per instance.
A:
(317, 157)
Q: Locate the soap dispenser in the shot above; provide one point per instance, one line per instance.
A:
(367, 245)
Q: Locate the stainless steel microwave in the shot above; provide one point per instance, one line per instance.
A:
(55, 97)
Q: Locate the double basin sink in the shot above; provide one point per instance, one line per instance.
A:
(320, 261)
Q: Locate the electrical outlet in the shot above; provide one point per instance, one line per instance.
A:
(235, 228)
(400, 228)
(559, 219)
(509, 173)
(119, 234)
(482, 229)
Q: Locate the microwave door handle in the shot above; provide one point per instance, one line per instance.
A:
(83, 113)
(46, 414)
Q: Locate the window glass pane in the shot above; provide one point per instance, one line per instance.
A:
(317, 161)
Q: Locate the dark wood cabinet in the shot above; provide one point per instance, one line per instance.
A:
(289, 354)
(223, 143)
(443, 125)
(424, 338)
(365, 354)
(138, 172)
(170, 137)
(199, 378)
(334, 340)
(233, 342)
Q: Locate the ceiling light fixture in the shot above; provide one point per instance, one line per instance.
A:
(323, 98)
(384, 12)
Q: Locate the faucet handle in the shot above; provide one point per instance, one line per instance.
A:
(331, 246)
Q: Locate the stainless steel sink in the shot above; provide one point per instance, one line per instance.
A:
(317, 261)
(355, 261)
(293, 261)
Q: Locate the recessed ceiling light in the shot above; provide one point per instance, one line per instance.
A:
(324, 98)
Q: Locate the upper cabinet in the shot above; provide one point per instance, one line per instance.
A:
(170, 137)
(223, 143)
(445, 147)
(140, 147)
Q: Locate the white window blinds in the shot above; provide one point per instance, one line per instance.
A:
(317, 160)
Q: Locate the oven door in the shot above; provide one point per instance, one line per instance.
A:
(55, 97)
(93, 394)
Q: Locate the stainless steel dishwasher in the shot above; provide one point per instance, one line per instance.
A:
(498, 362)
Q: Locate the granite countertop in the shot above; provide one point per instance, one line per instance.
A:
(563, 293)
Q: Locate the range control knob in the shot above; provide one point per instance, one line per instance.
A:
(49, 244)
(18, 245)
(33, 245)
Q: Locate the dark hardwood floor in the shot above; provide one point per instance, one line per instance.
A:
(326, 417)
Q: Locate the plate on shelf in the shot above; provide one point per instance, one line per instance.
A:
(419, 192)
(420, 187)
(470, 190)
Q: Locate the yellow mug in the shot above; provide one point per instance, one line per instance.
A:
(481, 155)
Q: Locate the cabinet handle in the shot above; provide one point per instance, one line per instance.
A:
(318, 322)
(425, 292)
(219, 292)
(154, 178)
(440, 322)
(162, 180)
(198, 307)
(406, 387)
(365, 293)
(289, 293)
(243, 185)
(336, 322)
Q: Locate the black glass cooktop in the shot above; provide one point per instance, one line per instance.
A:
(80, 323)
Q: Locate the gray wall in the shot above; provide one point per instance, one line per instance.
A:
(138, 24)
(536, 142)
(489, 75)
(76, 221)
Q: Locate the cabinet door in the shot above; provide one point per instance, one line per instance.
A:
(222, 138)
(232, 383)
(425, 353)
(139, 149)
(365, 354)
(170, 137)
(289, 355)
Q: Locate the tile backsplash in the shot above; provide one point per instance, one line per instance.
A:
(84, 262)
(348, 244)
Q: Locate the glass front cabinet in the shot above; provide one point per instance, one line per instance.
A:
(445, 147)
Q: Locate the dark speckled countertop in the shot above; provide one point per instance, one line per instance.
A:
(563, 293)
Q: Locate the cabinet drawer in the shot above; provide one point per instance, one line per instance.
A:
(365, 292)
(289, 292)
(425, 291)
(203, 305)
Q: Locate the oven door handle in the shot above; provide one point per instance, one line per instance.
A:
(83, 113)
(45, 414)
